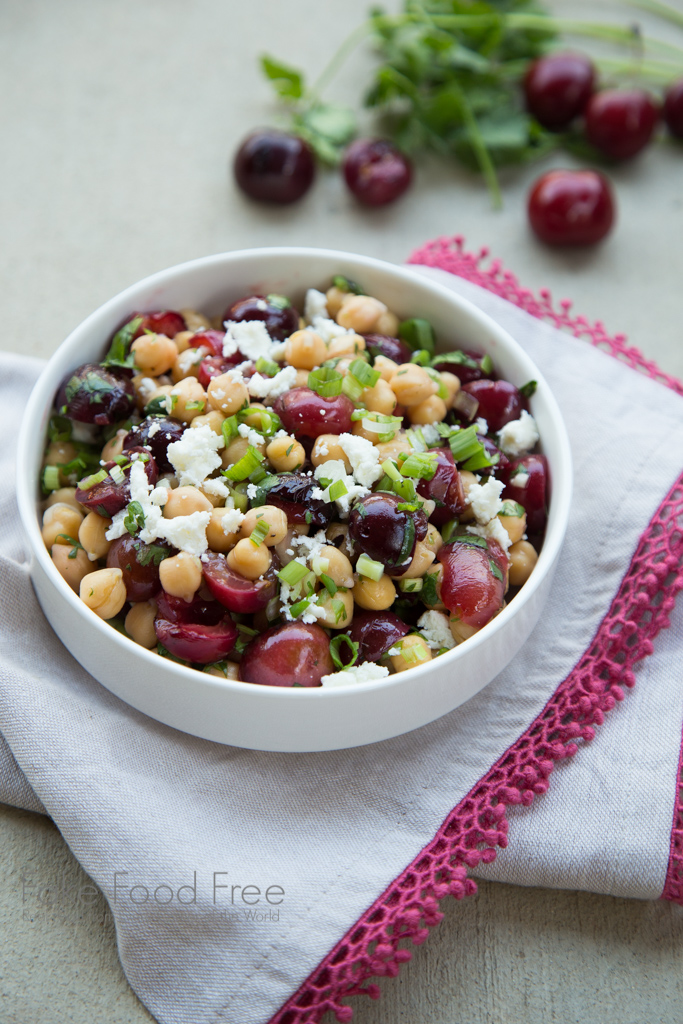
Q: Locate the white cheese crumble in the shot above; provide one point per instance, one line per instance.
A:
(333, 470)
(195, 456)
(436, 631)
(249, 337)
(431, 434)
(328, 329)
(485, 500)
(315, 305)
(231, 520)
(364, 458)
(519, 436)
(272, 387)
(191, 357)
(187, 533)
(366, 672)
(520, 478)
(252, 491)
(252, 436)
(309, 547)
(155, 427)
(495, 530)
(146, 388)
(218, 487)
(482, 425)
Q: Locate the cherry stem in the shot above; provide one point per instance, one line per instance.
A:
(481, 152)
(661, 9)
(338, 58)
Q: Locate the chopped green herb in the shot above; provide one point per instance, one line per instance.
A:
(429, 592)
(346, 285)
(495, 570)
(135, 518)
(329, 584)
(59, 428)
(513, 509)
(529, 388)
(118, 354)
(448, 531)
(335, 650)
(146, 553)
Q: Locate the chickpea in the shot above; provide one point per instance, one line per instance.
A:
(181, 575)
(253, 415)
(213, 419)
(183, 501)
(217, 500)
(436, 573)
(433, 540)
(339, 568)
(346, 345)
(195, 321)
(387, 323)
(64, 496)
(285, 454)
(236, 449)
(104, 592)
(412, 384)
(338, 536)
(228, 393)
(432, 410)
(72, 569)
(232, 671)
(274, 517)
(335, 298)
(249, 561)
(515, 526)
(467, 479)
(216, 535)
(91, 535)
(360, 313)
(301, 380)
(145, 388)
(114, 446)
(58, 454)
(459, 630)
(397, 446)
(523, 558)
(423, 557)
(338, 609)
(327, 447)
(305, 349)
(139, 624)
(183, 341)
(452, 385)
(187, 363)
(413, 651)
(154, 354)
(379, 398)
(60, 521)
(387, 367)
(374, 595)
(191, 400)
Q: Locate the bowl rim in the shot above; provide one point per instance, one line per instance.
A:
(47, 383)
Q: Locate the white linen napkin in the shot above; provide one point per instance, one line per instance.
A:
(183, 835)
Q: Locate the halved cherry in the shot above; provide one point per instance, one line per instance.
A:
(234, 591)
(292, 654)
(306, 413)
(499, 401)
(193, 642)
(164, 321)
(526, 481)
(445, 488)
(108, 497)
(474, 581)
(375, 633)
(197, 611)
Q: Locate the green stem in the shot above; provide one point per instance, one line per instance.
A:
(338, 58)
(663, 10)
(659, 71)
(481, 152)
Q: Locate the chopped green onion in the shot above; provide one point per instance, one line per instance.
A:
(200, 405)
(250, 461)
(325, 382)
(94, 478)
(481, 460)
(416, 440)
(51, 478)
(339, 609)
(449, 530)
(384, 426)
(319, 565)
(335, 648)
(529, 388)
(135, 518)
(421, 357)
(410, 586)
(464, 443)
(346, 285)
(409, 506)
(364, 373)
(367, 567)
(408, 545)
(292, 573)
(117, 474)
(405, 488)
(410, 654)
(230, 429)
(457, 357)
(420, 465)
(259, 533)
(258, 475)
(297, 609)
(267, 367)
(384, 484)
(239, 497)
(352, 388)
(337, 490)
(391, 469)
(59, 428)
(279, 301)
(486, 364)
(264, 485)
(270, 422)
(329, 584)
(418, 334)
(512, 508)
(436, 377)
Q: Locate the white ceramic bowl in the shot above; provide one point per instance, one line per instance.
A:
(279, 718)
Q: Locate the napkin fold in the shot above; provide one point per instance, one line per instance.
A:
(251, 887)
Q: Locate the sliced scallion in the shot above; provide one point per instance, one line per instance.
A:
(410, 586)
(292, 573)
(464, 443)
(94, 478)
(267, 367)
(335, 650)
(259, 533)
(325, 382)
(369, 568)
(421, 357)
(364, 373)
(329, 584)
(51, 478)
(250, 461)
(391, 469)
(352, 388)
(419, 465)
(337, 490)
(417, 333)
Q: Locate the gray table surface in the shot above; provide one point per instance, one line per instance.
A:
(118, 126)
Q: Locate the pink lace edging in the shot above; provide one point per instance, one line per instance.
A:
(376, 945)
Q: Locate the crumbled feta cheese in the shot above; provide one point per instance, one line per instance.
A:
(272, 387)
(495, 530)
(195, 456)
(309, 548)
(249, 337)
(436, 631)
(231, 520)
(482, 425)
(146, 388)
(431, 434)
(188, 533)
(485, 499)
(315, 305)
(218, 486)
(85, 433)
(519, 436)
(328, 329)
(154, 428)
(322, 449)
(520, 478)
(252, 436)
(393, 651)
(190, 358)
(252, 491)
(278, 351)
(167, 403)
(364, 458)
(366, 672)
(333, 470)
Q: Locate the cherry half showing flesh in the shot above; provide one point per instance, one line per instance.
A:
(474, 579)
(295, 654)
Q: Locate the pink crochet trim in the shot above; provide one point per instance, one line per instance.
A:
(376, 945)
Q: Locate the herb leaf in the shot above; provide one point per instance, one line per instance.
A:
(287, 82)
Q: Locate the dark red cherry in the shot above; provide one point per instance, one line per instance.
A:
(275, 311)
(558, 87)
(499, 401)
(197, 643)
(295, 653)
(474, 579)
(138, 564)
(620, 122)
(527, 483)
(213, 340)
(155, 433)
(213, 366)
(292, 493)
(375, 633)
(571, 207)
(233, 590)
(274, 167)
(96, 394)
(376, 171)
(305, 413)
(164, 321)
(385, 533)
(392, 348)
(109, 496)
(445, 488)
(673, 109)
(197, 611)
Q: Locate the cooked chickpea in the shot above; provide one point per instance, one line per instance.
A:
(305, 349)
(301, 380)
(64, 496)
(217, 537)
(397, 446)
(387, 367)
(452, 385)
(523, 558)
(60, 521)
(154, 354)
(183, 501)
(360, 313)
(213, 419)
(327, 447)
(139, 624)
(335, 296)
(104, 592)
(346, 345)
(387, 323)
(338, 609)
(412, 384)
(423, 557)
(248, 560)
(435, 573)
(275, 519)
(187, 363)
(91, 535)
(58, 454)
(514, 526)
(252, 416)
(183, 340)
(467, 479)
(228, 393)
(339, 568)
(237, 448)
(114, 446)
(72, 569)
(379, 398)
(338, 536)
(190, 400)
(413, 651)
(285, 454)
(217, 500)
(181, 575)
(459, 630)
(432, 410)
(195, 321)
(374, 595)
